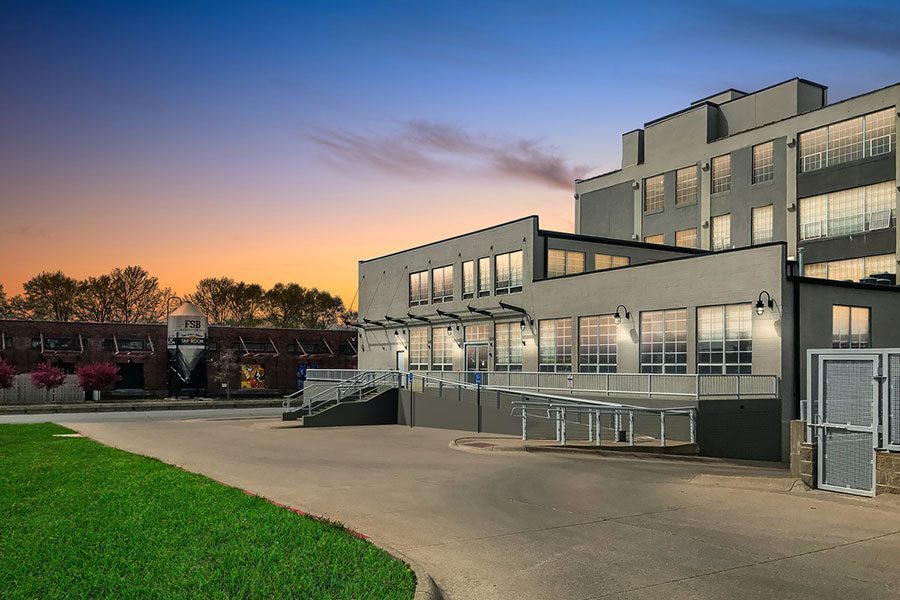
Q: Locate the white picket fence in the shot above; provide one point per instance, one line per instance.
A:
(24, 392)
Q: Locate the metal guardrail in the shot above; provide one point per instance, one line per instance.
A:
(649, 385)
(559, 409)
(352, 389)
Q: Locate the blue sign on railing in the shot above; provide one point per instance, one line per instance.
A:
(410, 376)
(478, 378)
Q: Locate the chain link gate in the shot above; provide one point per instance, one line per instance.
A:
(847, 423)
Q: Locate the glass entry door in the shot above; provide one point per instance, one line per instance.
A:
(477, 357)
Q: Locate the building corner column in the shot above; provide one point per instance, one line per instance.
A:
(792, 208)
(705, 190)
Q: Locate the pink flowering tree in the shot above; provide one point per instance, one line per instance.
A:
(47, 377)
(7, 375)
(97, 376)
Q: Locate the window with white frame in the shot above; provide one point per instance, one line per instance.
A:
(686, 238)
(564, 262)
(846, 212)
(725, 339)
(442, 284)
(721, 232)
(418, 288)
(656, 238)
(442, 344)
(468, 279)
(508, 347)
(861, 137)
(555, 345)
(597, 344)
(761, 224)
(418, 349)
(849, 326)
(763, 162)
(484, 276)
(686, 185)
(852, 269)
(664, 341)
(654, 193)
(508, 272)
(721, 174)
(610, 261)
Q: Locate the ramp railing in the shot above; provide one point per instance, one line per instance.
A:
(567, 419)
(352, 389)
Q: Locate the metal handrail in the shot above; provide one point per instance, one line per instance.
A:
(355, 384)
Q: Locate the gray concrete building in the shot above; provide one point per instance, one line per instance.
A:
(739, 232)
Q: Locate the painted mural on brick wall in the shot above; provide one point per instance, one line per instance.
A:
(253, 377)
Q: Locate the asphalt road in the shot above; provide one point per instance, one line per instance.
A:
(539, 525)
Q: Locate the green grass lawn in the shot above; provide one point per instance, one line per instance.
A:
(81, 520)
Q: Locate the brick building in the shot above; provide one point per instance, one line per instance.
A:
(269, 357)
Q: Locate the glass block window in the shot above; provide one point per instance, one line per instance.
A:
(555, 345)
(657, 238)
(880, 133)
(870, 135)
(442, 284)
(654, 193)
(724, 339)
(845, 141)
(686, 185)
(484, 276)
(609, 261)
(852, 269)
(664, 341)
(721, 232)
(686, 238)
(564, 262)
(763, 162)
(418, 288)
(441, 349)
(508, 272)
(480, 332)
(468, 279)
(721, 174)
(761, 224)
(418, 349)
(846, 212)
(849, 327)
(508, 347)
(597, 344)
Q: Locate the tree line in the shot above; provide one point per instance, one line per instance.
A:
(132, 295)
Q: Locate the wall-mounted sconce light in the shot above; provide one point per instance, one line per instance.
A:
(705, 225)
(705, 166)
(635, 185)
(792, 207)
(449, 330)
(791, 142)
(618, 316)
(522, 324)
(760, 307)
(635, 236)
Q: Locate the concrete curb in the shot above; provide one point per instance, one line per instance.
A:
(150, 405)
(426, 587)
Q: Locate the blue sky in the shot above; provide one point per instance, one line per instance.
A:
(264, 129)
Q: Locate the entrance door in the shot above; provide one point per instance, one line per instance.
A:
(400, 363)
(847, 423)
(132, 376)
(476, 357)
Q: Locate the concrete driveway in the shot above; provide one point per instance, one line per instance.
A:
(542, 525)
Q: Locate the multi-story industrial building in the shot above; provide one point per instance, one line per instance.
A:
(739, 232)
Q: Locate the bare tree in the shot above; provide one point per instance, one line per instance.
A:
(48, 296)
(96, 299)
(138, 297)
(224, 368)
(214, 296)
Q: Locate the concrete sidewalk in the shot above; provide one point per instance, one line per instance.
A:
(547, 525)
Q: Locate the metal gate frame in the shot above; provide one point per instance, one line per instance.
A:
(822, 427)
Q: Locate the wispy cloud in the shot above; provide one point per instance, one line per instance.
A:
(420, 149)
(853, 27)
(28, 231)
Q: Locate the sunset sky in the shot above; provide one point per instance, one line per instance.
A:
(282, 142)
